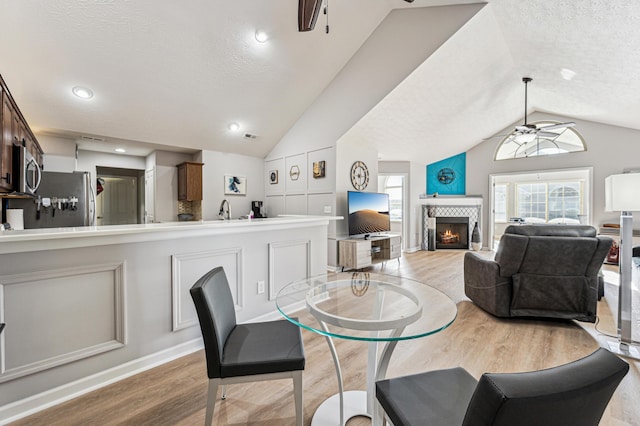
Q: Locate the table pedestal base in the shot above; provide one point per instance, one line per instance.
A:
(328, 413)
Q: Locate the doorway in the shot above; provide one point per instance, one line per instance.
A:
(120, 201)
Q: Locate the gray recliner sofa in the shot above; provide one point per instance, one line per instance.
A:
(539, 271)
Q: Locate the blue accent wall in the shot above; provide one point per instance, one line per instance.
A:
(448, 176)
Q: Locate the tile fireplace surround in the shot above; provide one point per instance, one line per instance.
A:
(469, 206)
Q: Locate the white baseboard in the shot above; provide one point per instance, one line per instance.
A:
(27, 406)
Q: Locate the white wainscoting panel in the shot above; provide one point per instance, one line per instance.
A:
(188, 268)
(58, 316)
(288, 261)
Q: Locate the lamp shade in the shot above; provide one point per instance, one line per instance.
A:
(622, 192)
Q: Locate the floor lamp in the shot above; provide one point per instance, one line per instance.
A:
(622, 193)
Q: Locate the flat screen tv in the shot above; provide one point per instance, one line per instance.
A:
(368, 213)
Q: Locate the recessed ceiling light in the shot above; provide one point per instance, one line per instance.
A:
(234, 127)
(82, 92)
(567, 74)
(261, 36)
(120, 150)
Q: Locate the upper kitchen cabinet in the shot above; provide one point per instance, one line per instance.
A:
(6, 143)
(190, 181)
(13, 130)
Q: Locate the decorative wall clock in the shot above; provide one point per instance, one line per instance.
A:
(359, 175)
(446, 175)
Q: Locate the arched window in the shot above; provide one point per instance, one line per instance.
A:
(532, 145)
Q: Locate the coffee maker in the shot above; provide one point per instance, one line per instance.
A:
(258, 211)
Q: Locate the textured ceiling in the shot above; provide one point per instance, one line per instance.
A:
(177, 73)
(471, 88)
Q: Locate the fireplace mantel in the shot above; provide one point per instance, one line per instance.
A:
(451, 200)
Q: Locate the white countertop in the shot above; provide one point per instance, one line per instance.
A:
(49, 238)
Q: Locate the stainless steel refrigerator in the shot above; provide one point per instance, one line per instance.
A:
(62, 200)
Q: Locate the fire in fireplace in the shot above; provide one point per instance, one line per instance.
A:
(452, 232)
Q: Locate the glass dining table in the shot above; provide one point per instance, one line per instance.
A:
(370, 307)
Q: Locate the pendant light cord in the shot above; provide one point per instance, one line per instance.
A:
(526, 84)
(326, 15)
(526, 81)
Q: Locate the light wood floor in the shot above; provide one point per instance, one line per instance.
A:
(175, 393)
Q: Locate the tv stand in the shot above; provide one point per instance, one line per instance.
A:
(357, 253)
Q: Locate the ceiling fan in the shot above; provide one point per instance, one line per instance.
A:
(308, 11)
(529, 132)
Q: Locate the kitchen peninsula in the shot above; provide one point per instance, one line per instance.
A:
(87, 306)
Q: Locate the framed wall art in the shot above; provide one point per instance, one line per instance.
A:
(235, 185)
(319, 169)
(447, 177)
(294, 172)
(273, 177)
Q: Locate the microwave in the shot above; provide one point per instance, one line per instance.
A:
(26, 171)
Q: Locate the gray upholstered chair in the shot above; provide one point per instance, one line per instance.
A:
(571, 394)
(539, 271)
(240, 353)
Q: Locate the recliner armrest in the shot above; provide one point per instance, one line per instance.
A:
(485, 286)
(480, 271)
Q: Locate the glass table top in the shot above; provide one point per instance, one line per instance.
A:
(366, 306)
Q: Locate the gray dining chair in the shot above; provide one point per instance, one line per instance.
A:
(241, 353)
(571, 394)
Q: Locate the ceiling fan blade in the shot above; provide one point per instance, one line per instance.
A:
(496, 136)
(545, 134)
(308, 11)
(512, 138)
(558, 126)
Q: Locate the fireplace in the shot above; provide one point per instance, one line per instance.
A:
(452, 232)
(468, 207)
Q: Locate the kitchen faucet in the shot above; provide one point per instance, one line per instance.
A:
(221, 213)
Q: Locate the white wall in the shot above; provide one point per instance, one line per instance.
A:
(59, 163)
(418, 175)
(89, 160)
(415, 183)
(305, 194)
(302, 194)
(347, 153)
(59, 153)
(610, 150)
(166, 184)
(54, 145)
(216, 166)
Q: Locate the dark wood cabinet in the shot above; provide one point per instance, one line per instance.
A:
(13, 130)
(190, 181)
(7, 135)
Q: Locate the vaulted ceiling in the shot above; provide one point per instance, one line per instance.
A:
(178, 73)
